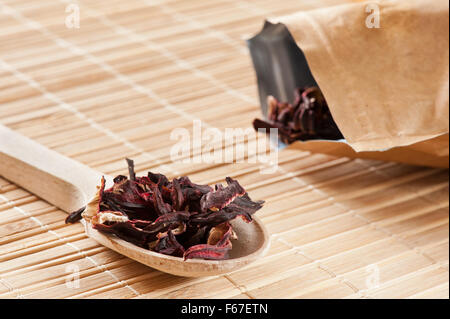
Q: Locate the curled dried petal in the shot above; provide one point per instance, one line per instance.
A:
(206, 251)
(107, 217)
(167, 244)
(169, 220)
(242, 207)
(217, 247)
(161, 207)
(131, 169)
(126, 231)
(219, 233)
(222, 196)
(75, 216)
(93, 207)
(177, 195)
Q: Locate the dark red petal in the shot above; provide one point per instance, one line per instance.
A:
(169, 245)
(126, 231)
(217, 246)
(75, 216)
(222, 196)
(205, 251)
(131, 169)
(177, 195)
(220, 235)
(160, 206)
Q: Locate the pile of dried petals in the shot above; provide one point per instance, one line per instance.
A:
(307, 118)
(177, 218)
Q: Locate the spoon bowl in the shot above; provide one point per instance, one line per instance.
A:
(69, 185)
(251, 244)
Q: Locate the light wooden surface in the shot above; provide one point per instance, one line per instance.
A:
(115, 88)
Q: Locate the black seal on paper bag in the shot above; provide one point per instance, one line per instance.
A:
(280, 65)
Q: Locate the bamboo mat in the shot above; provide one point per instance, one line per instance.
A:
(118, 85)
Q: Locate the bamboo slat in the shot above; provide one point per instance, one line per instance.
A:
(118, 85)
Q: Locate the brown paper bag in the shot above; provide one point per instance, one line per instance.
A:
(388, 87)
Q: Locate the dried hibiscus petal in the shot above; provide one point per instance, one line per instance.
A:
(307, 118)
(161, 207)
(222, 196)
(217, 246)
(194, 236)
(177, 195)
(169, 220)
(220, 235)
(75, 216)
(126, 231)
(245, 206)
(104, 217)
(158, 179)
(131, 169)
(241, 206)
(177, 218)
(167, 244)
(94, 206)
(205, 251)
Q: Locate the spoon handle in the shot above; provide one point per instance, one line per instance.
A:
(53, 177)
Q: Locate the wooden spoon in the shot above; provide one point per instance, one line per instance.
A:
(70, 185)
